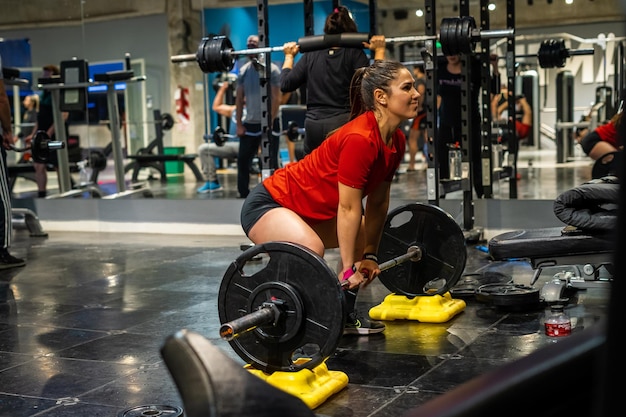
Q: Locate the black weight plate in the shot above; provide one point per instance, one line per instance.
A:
(153, 410)
(442, 243)
(507, 295)
(447, 35)
(313, 298)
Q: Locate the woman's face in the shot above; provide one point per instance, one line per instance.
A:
(403, 97)
(28, 102)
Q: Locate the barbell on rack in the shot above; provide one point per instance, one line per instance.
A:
(41, 146)
(456, 35)
(220, 136)
(279, 298)
(553, 53)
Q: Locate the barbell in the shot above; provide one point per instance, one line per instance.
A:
(271, 311)
(279, 298)
(553, 53)
(456, 35)
(41, 146)
(219, 135)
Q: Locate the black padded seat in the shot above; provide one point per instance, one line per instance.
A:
(546, 242)
(554, 246)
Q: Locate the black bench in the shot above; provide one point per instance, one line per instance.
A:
(146, 158)
(554, 246)
(157, 162)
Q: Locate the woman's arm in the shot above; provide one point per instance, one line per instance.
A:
(349, 216)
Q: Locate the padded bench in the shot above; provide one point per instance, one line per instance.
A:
(553, 246)
(157, 162)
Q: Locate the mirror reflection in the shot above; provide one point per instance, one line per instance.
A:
(136, 120)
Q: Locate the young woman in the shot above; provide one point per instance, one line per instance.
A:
(317, 201)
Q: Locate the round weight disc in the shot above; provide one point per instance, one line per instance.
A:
(507, 295)
(153, 410)
(443, 250)
(311, 298)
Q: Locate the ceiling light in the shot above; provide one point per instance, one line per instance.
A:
(419, 13)
(491, 7)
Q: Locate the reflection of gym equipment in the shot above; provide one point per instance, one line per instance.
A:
(41, 147)
(291, 117)
(145, 158)
(457, 35)
(109, 79)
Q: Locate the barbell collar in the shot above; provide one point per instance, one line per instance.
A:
(414, 254)
(176, 59)
(267, 314)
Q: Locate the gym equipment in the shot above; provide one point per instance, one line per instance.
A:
(220, 136)
(609, 164)
(145, 158)
(292, 301)
(152, 410)
(205, 376)
(440, 241)
(553, 53)
(41, 147)
(556, 246)
(457, 35)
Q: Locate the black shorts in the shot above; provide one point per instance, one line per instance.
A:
(257, 203)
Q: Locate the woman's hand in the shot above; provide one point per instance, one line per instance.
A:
(291, 49)
(369, 269)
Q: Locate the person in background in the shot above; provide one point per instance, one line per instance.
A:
(327, 74)
(45, 122)
(249, 131)
(524, 113)
(317, 201)
(450, 78)
(31, 109)
(6, 217)
(417, 131)
(603, 139)
(207, 152)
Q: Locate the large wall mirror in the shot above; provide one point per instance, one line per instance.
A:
(142, 36)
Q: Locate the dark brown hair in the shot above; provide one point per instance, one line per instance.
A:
(339, 21)
(366, 80)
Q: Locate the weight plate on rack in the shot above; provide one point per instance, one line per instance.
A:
(442, 243)
(310, 296)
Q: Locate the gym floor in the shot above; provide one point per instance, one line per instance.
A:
(82, 324)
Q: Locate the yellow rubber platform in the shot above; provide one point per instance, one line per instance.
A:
(426, 308)
(312, 386)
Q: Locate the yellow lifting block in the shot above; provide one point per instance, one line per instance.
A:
(424, 308)
(312, 386)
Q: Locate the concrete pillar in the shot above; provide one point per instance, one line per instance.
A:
(185, 31)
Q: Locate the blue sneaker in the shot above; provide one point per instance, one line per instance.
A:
(210, 187)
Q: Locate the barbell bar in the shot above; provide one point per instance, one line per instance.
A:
(456, 35)
(270, 312)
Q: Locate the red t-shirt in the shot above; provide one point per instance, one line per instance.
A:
(608, 133)
(354, 155)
